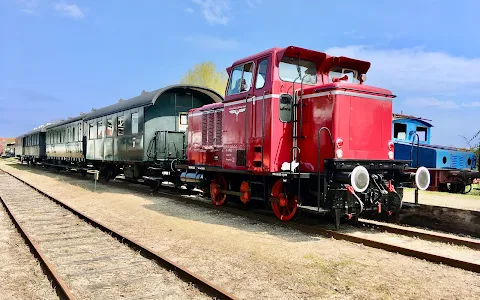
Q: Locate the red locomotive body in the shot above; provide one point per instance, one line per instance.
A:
(299, 127)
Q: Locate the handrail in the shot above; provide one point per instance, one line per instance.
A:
(418, 147)
(263, 125)
(318, 164)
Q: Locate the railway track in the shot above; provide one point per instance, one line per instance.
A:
(380, 226)
(432, 257)
(85, 259)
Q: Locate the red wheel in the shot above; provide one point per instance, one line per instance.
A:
(245, 189)
(218, 183)
(285, 206)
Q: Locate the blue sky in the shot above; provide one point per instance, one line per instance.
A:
(58, 59)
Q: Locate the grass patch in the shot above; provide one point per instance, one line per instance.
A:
(328, 267)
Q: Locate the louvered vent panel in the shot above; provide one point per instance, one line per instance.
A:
(218, 138)
(204, 129)
(210, 129)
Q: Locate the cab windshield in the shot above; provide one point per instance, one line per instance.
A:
(339, 72)
(288, 70)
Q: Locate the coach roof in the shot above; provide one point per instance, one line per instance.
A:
(63, 122)
(149, 98)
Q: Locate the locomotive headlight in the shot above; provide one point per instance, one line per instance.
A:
(390, 155)
(422, 178)
(359, 179)
(339, 153)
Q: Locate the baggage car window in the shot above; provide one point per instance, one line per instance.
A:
(120, 125)
(134, 123)
(109, 127)
(100, 129)
(183, 118)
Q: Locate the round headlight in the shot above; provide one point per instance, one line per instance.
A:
(422, 178)
(390, 155)
(360, 179)
(339, 153)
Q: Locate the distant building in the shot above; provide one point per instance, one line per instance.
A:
(6, 145)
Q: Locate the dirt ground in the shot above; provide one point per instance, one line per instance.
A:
(251, 259)
(469, 201)
(21, 276)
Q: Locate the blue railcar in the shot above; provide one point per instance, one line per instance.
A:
(405, 128)
(451, 169)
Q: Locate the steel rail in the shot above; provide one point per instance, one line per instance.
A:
(465, 265)
(201, 283)
(338, 235)
(431, 236)
(61, 288)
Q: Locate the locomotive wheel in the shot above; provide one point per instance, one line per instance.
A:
(245, 189)
(285, 206)
(218, 183)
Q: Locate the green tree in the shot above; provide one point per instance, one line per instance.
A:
(206, 74)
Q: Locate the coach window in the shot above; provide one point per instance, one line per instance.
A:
(261, 74)
(285, 106)
(79, 132)
(109, 127)
(134, 123)
(120, 125)
(400, 131)
(241, 79)
(91, 131)
(100, 129)
(74, 137)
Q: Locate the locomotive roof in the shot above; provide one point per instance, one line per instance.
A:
(149, 98)
(407, 117)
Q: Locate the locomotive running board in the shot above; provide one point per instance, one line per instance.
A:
(246, 172)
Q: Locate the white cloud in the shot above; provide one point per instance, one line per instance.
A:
(424, 102)
(214, 11)
(71, 10)
(29, 7)
(253, 3)
(189, 10)
(471, 104)
(415, 70)
(212, 42)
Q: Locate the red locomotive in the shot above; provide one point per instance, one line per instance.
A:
(298, 127)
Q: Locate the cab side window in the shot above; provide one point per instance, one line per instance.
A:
(261, 74)
(241, 79)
